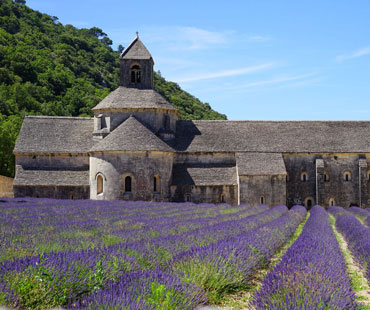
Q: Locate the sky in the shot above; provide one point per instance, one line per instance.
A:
(251, 60)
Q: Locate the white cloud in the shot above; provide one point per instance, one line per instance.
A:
(277, 80)
(225, 73)
(359, 53)
(186, 38)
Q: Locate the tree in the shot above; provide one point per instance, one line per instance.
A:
(120, 49)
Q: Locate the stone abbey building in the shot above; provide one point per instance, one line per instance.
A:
(135, 148)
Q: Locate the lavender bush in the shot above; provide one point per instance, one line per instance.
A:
(361, 214)
(78, 253)
(229, 264)
(356, 235)
(312, 273)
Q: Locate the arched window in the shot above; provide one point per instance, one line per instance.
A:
(135, 74)
(187, 198)
(99, 185)
(331, 202)
(156, 183)
(128, 183)
(347, 176)
(287, 178)
(326, 177)
(304, 176)
(71, 196)
(222, 198)
(308, 203)
(262, 200)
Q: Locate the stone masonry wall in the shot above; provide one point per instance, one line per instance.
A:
(154, 119)
(57, 192)
(344, 193)
(141, 166)
(271, 187)
(205, 194)
(6, 186)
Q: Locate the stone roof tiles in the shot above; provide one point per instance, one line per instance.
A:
(183, 174)
(260, 163)
(136, 50)
(53, 134)
(133, 98)
(25, 177)
(131, 135)
(274, 136)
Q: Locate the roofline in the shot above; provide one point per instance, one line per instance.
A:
(261, 174)
(51, 185)
(130, 151)
(135, 109)
(58, 117)
(51, 153)
(124, 52)
(279, 121)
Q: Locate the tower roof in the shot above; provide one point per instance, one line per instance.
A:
(132, 135)
(125, 98)
(136, 50)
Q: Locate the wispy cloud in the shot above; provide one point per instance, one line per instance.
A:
(356, 54)
(186, 38)
(277, 80)
(225, 73)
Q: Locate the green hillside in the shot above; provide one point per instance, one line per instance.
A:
(47, 68)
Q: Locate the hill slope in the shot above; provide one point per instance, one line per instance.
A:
(47, 68)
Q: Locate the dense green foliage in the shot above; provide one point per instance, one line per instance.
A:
(47, 68)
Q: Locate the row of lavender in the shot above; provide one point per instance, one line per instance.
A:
(355, 233)
(154, 244)
(311, 274)
(32, 226)
(220, 267)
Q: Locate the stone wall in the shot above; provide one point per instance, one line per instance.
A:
(146, 73)
(141, 166)
(6, 186)
(271, 188)
(333, 186)
(57, 192)
(205, 194)
(153, 118)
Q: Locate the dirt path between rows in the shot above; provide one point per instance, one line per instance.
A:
(241, 300)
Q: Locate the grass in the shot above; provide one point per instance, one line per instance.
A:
(241, 300)
(358, 281)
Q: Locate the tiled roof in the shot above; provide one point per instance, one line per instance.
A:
(50, 177)
(131, 135)
(132, 98)
(136, 50)
(203, 175)
(52, 134)
(274, 136)
(260, 163)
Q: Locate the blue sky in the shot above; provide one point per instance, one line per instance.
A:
(256, 60)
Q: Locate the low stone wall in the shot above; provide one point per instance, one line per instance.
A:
(6, 186)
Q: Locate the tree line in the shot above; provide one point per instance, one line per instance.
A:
(47, 68)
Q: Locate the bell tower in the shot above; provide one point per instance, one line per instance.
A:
(136, 66)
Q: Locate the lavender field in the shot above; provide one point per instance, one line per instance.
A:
(147, 255)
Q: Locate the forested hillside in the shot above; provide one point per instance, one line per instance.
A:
(47, 68)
